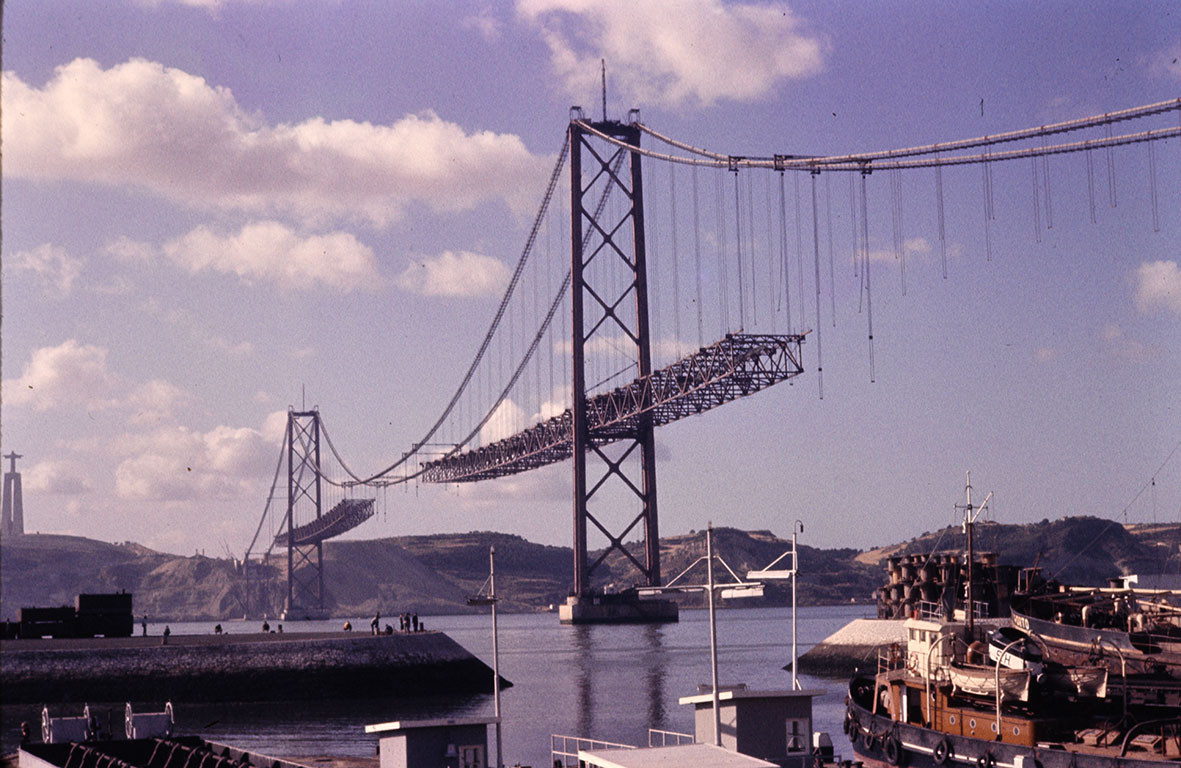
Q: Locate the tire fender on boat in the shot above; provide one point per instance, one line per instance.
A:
(986, 760)
(892, 749)
(942, 751)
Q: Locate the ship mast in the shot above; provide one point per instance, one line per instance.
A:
(969, 520)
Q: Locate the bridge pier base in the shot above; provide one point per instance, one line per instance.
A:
(625, 608)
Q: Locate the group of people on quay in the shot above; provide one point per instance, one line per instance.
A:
(407, 622)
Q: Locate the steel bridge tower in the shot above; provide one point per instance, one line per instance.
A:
(598, 310)
(305, 562)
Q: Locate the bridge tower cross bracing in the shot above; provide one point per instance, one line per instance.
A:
(609, 240)
(305, 563)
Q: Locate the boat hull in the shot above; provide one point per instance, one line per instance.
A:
(879, 742)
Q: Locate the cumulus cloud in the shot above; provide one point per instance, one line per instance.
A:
(154, 401)
(1158, 286)
(159, 128)
(712, 52)
(507, 419)
(1123, 346)
(66, 478)
(270, 251)
(485, 23)
(455, 274)
(52, 265)
(181, 464)
(68, 373)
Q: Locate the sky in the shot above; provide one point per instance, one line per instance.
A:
(214, 210)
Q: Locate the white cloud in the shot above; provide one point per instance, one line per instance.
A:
(1167, 63)
(134, 251)
(270, 251)
(485, 23)
(1158, 286)
(141, 123)
(65, 374)
(153, 401)
(507, 419)
(455, 274)
(1124, 347)
(180, 464)
(67, 478)
(675, 52)
(52, 265)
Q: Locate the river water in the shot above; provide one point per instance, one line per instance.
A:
(605, 682)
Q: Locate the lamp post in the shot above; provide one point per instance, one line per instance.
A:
(797, 526)
(736, 588)
(489, 598)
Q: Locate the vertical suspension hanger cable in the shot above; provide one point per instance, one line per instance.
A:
(800, 254)
(772, 283)
(784, 266)
(1091, 183)
(939, 207)
(750, 248)
(697, 261)
(1152, 185)
(738, 254)
(865, 269)
(899, 243)
(853, 222)
(1111, 171)
(832, 283)
(1037, 216)
(676, 256)
(987, 207)
(816, 264)
(723, 261)
(1046, 186)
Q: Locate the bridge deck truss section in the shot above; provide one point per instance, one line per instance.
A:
(345, 516)
(736, 366)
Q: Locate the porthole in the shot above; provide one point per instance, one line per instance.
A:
(972, 723)
(951, 719)
(993, 726)
(1016, 731)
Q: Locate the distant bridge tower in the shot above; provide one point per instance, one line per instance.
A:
(601, 309)
(305, 562)
(13, 505)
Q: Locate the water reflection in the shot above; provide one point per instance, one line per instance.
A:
(655, 671)
(584, 659)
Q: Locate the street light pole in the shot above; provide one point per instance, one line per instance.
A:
(713, 630)
(797, 526)
(495, 653)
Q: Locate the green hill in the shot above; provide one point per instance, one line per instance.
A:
(436, 574)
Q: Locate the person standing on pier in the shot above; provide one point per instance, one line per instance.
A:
(143, 624)
(375, 624)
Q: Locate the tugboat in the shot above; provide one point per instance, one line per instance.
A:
(960, 693)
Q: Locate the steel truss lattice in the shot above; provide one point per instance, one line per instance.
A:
(736, 366)
(305, 562)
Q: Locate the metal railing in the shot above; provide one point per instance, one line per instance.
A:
(564, 749)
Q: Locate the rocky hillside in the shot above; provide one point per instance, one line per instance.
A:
(436, 574)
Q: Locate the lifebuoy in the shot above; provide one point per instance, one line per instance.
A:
(892, 749)
(986, 761)
(942, 751)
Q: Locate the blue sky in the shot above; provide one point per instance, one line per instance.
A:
(210, 206)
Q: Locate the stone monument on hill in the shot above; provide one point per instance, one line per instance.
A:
(14, 512)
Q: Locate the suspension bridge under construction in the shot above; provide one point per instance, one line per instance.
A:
(584, 294)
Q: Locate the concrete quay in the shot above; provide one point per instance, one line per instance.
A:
(258, 667)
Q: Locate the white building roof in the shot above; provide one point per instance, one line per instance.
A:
(406, 725)
(682, 756)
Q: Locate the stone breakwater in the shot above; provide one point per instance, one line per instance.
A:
(239, 668)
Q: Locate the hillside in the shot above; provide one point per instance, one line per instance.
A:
(436, 574)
